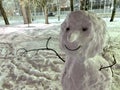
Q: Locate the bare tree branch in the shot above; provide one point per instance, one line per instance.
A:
(110, 66)
(50, 49)
(46, 48)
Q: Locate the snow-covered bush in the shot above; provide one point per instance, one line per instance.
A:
(82, 39)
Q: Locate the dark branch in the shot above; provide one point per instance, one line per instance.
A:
(110, 66)
(47, 48)
(48, 42)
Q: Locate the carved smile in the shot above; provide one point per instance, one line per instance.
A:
(73, 49)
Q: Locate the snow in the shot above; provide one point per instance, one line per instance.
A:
(41, 70)
(83, 60)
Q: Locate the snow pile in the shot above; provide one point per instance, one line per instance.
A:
(41, 70)
(34, 70)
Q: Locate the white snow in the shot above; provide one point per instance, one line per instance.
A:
(83, 60)
(42, 70)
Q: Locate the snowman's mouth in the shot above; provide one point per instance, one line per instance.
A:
(74, 48)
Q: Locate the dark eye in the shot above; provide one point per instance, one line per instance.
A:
(67, 29)
(84, 29)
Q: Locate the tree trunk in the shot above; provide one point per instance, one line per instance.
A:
(71, 5)
(58, 10)
(81, 5)
(104, 6)
(46, 15)
(24, 14)
(28, 13)
(113, 11)
(91, 4)
(3, 13)
(25, 8)
(84, 5)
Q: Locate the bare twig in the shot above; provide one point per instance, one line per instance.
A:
(46, 48)
(110, 66)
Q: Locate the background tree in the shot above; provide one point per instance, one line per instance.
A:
(34, 8)
(25, 9)
(84, 4)
(3, 13)
(45, 5)
(81, 4)
(113, 11)
(58, 9)
(71, 5)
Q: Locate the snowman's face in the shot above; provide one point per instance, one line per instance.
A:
(77, 33)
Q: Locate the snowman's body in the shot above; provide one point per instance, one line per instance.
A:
(82, 38)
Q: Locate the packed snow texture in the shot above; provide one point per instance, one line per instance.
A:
(41, 70)
(82, 39)
(34, 70)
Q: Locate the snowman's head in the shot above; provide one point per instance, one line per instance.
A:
(82, 33)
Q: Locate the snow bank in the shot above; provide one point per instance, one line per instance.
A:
(41, 70)
(34, 70)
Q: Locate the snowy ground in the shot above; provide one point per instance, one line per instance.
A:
(41, 70)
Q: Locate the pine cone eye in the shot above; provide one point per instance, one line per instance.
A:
(67, 29)
(84, 29)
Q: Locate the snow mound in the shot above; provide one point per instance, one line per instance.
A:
(41, 70)
(34, 70)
